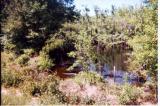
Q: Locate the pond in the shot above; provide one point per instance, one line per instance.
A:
(117, 76)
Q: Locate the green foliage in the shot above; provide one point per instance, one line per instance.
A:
(129, 95)
(145, 42)
(76, 100)
(53, 44)
(23, 59)
(46, 85)
(11, 78)
(31, 88)
(75, 64)
(50, 91)
(126, 39)
(44, 62)
(72, 54)
(29, 52)
(6, 58)
(56, 99)
(29, 23)
(27, 71)
(88, 77)
(97, 38)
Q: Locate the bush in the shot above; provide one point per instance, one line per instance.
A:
(29, 52)
(11, 78)
(51, 93)
(52, 44)
(44, 62)
(49, 84)
(27, 71)
(150, 91)
(88, 101)
(75, 100)
(7, 58)
(88, 77)
(16, 100)
(52, 99)
(23, 59)
(151, 85)
(31, 88)
(129, 95)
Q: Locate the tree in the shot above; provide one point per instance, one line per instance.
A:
(144, 55)
(98, 42)
(29, 23)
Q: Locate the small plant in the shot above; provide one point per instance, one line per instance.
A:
(30, 87)
(88, 77)
(11, 78)
(50, 84)
(150, 91)
(87, 101)
(151, 85)
(129, 95)
(74, 100)
(51, 93)
(72, 54)
(53, 99)
(40, 87)
(23, 59)
(29, 52)
(27, 71)
(52, 44)
(7, 57)
(44, 62)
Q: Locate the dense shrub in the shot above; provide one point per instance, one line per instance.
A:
(51, 93)
(129, 95)
(150, 91)
(31, 87)
(52, 99)
(88, 101)
(75, 100)
(11, 78)
(7, 56)
(52, 44)
(44, 62)
(48, 84)
(88, 77)
(151, 86)
(23, 59)
(28, 52)
(27, 71)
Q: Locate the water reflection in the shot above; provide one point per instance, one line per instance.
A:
(119, 76)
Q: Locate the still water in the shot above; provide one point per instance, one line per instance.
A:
(117, 76)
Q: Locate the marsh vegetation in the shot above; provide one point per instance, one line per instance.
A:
(52, 54)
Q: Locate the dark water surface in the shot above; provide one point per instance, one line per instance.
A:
(117, 76)
(63, 73)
